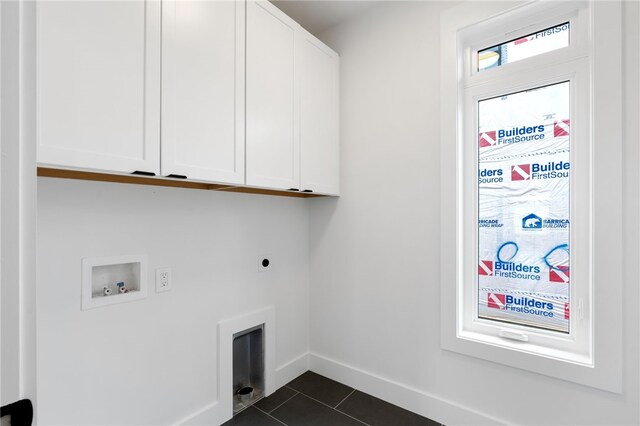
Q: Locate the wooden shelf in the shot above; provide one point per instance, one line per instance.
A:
(159, 181)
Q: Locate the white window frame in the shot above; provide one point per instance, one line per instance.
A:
(590, 353)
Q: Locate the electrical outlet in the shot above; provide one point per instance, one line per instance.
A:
(163, 279)
(265, 264)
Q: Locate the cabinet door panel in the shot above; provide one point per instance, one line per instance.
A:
(319, 105)
(203, 90)
(98, 85)
(272, 139)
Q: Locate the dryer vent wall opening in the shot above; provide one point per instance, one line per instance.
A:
(248, 367)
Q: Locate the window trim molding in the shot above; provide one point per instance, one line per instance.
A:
(577, 345)
(604, 78)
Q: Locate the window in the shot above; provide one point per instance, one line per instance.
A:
(523, 207)
(524, 47)
(524, 125)
(530, 202)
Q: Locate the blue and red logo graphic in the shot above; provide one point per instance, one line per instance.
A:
(487, 139)
(534, 171)
(521, 304)
(561, 128)
(485, 267)
(496, 300)
(559, 274)
(521, 172)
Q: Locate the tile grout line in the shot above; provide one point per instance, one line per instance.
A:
(277, 420)
(342, 412)
(344, 399)
(288, 399)
(327, 405)
(354, 418)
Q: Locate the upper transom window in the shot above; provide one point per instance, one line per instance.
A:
(534, 44)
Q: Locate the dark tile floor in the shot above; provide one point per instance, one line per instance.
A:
(314, 400)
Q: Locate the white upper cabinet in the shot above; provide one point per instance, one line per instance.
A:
(226, 91)
(203, 90)
(272, 113)
(292, 105)
(98, 80)
(319, 107)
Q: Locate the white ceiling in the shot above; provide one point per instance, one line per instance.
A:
(316, 16)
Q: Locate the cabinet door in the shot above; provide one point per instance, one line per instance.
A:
(98, 85)
(203, 90)
(319, 116)
(272, 141)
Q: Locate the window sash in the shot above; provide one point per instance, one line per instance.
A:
(576, 346)
(497, 201)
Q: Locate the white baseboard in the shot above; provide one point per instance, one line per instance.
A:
(431, 406)
(214, 414)
(436, 408)
(292, 369)
(209, 415)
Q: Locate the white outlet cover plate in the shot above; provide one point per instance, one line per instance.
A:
(163, 279)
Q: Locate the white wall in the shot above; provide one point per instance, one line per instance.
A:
(374, 256)
(155, 361)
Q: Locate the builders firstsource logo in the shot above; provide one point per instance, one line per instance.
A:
(548, 32)
(535, 171)
(559, 274)
(490, 176)
(485, 267)
(487, 139)
(512, 135)
(561, 128)
(511, 270)
(517, 270)
(525, 305)
(496, 300)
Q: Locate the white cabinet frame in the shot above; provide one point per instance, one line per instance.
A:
(52, 149)
(230, 167)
